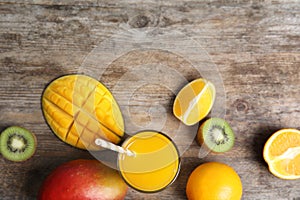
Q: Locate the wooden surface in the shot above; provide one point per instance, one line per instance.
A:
(254, 44)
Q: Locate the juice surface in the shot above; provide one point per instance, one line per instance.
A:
(155, 165)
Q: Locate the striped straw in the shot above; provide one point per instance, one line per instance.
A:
(113, 147)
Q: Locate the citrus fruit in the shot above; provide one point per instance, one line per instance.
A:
(194, 101)
(282, 153)
(214, 181)
(80, 109)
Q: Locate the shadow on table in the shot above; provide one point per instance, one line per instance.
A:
(41, 168)
(36, 176)
(263, 133)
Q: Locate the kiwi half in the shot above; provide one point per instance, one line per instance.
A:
(17, 144)
(216, 134)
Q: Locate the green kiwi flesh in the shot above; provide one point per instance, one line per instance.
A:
(217, 135)
(17, 144)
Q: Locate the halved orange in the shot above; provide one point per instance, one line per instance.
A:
(194, 101)
(282, 153)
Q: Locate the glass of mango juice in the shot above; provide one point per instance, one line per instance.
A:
(156, 163)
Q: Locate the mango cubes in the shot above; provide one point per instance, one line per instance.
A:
(80, 109)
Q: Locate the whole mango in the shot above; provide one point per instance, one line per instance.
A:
(83, 180)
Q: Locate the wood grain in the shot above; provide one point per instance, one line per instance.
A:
(254, 44)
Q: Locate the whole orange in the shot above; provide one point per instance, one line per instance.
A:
(214, 181)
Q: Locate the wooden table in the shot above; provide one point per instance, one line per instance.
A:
(254, 45)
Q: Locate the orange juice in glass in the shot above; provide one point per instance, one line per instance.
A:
(155, 165)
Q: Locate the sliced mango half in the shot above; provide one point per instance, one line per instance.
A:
(80, 109)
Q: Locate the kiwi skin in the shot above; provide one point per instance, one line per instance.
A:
(200, 138)
(24, 133)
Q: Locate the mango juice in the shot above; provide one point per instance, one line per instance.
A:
(156, 162)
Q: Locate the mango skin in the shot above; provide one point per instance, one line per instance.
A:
(80, 109)
(83, 180)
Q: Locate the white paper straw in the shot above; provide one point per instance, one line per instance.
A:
(113, 147)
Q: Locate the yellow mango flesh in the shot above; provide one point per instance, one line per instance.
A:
(80, 109)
